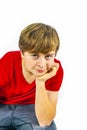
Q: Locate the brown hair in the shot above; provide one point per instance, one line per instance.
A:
(39, 37)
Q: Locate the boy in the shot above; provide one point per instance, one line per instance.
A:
(30, 80)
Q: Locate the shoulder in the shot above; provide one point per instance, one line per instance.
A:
(10, 58)
(57, 61)
(10, 55)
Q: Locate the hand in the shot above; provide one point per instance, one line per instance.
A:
(49, 74)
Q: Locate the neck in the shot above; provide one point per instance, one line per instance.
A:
(28, 76)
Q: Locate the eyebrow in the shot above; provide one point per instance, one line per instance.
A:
(50, 53)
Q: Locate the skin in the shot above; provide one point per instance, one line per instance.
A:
(39, 68)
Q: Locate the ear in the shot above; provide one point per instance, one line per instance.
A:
(22, 54)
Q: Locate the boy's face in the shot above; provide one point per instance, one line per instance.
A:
(38, 64)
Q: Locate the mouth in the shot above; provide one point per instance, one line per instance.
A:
(40, 71)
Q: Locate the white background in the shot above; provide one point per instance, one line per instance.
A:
(69, 17)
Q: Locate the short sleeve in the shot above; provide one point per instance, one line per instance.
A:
(54, 83)
(5, 66)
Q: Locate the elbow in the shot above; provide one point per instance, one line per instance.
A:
(46, 121)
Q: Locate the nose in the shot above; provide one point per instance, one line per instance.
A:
(41, 63)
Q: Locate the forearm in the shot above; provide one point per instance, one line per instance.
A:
(44, 109)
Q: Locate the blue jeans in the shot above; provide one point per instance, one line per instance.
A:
(20, 117)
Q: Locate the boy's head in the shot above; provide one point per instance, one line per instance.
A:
(39, 37)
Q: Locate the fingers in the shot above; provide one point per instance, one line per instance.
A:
(56, 65)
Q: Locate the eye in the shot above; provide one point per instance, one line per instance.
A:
(48, 57)
(35, 56)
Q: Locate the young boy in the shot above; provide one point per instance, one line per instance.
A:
(30, 80)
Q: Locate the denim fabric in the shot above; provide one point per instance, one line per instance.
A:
(20, 117)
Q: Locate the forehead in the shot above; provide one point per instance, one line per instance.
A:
(39, 53)
(51, 52)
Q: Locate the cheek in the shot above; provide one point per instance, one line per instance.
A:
(29, 62)
(32, 64)
(50, 64)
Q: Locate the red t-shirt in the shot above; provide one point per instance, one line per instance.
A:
(14, 89)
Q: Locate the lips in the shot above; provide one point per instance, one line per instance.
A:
(41, 71)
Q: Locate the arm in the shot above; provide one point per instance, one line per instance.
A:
(45, 103)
